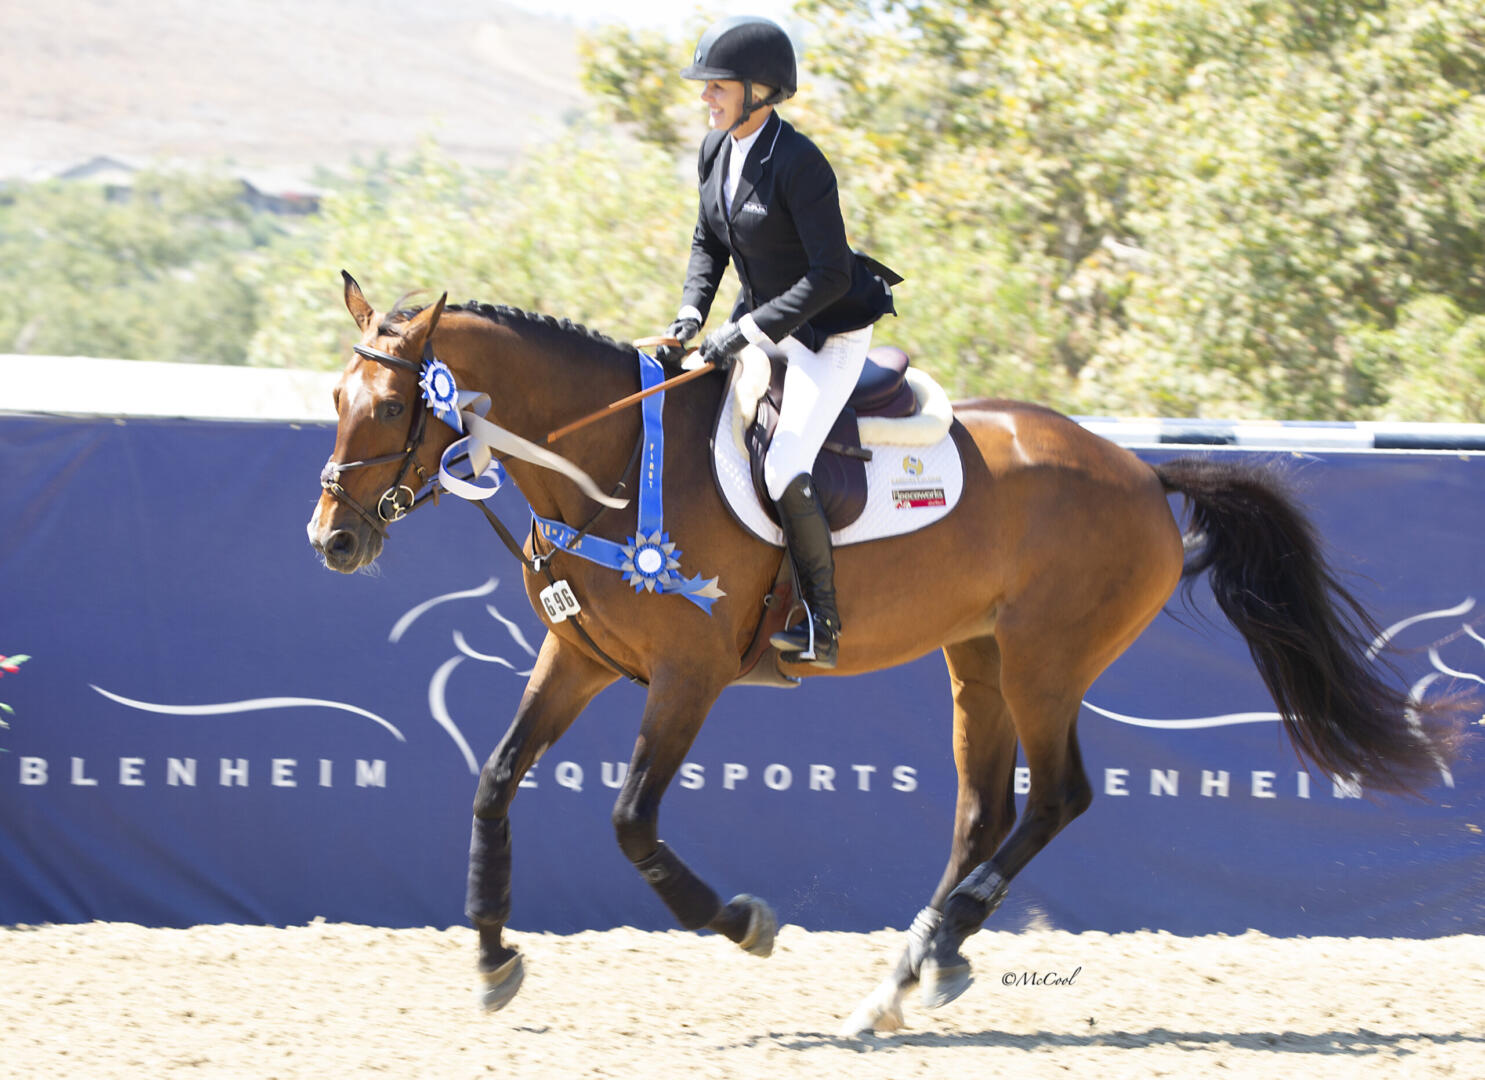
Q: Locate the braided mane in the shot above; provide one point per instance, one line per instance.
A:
(506, 315)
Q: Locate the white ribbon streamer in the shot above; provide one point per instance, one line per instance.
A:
(484, 439)
(465, 489)
(496, 438)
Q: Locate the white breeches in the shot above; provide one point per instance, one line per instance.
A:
(816, 388)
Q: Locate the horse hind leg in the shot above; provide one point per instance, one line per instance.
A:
(985, 759)
(1046, 723)
(1081, 608)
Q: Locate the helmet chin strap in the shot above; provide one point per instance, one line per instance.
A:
(750, 106)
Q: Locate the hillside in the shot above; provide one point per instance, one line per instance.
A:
(276, 85)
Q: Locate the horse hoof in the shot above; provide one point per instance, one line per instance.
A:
(880, 1013)
(501, 984)
(763, 925)
(943, 982)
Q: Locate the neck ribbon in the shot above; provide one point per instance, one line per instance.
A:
(650, 560)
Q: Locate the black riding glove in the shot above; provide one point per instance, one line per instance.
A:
(722, 346)
(683, 330)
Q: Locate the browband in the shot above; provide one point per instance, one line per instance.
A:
(387, 358)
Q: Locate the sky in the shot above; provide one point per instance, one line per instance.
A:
(654, 13)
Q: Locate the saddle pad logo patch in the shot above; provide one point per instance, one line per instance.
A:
(911, 498)
(913, 490)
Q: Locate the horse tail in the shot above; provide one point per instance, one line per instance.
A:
(1315, 645)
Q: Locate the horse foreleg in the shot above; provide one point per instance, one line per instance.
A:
(674, 712)
(985, 759)
(561, 685)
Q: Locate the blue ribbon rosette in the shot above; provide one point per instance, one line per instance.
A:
(441, 393)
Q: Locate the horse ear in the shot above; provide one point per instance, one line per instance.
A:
(421, 328)
(356, 303)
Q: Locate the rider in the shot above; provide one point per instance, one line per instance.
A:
(769, 202)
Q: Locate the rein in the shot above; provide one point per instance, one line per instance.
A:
(540, 564)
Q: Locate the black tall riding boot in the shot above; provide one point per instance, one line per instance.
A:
(807, 537)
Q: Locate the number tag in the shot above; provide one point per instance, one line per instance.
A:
(558, 601)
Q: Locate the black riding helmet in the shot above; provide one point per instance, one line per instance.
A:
(747, 49)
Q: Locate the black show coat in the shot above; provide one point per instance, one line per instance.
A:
(786, 237)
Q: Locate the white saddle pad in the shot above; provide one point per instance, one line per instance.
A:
(913, 479)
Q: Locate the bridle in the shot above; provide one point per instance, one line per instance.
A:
(399, 499)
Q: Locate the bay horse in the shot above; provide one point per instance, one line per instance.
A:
(1063, 549)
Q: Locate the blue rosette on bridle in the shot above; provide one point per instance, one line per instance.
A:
(441, 392)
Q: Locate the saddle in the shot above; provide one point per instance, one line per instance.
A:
(839, 471)
(903, 418)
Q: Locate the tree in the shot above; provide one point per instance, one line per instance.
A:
(1160, 207)
(594, 229)
(163, 272)
(1156, 206)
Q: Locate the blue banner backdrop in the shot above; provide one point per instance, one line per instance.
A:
(213, 728)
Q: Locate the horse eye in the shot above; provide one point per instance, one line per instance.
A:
(391, 410)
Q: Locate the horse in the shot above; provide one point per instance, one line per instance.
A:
(1063, 549)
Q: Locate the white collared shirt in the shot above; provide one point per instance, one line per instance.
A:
(739, 157)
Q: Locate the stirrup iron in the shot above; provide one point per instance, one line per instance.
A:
(817, 647)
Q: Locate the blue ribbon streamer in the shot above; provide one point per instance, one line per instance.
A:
(650, 561)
